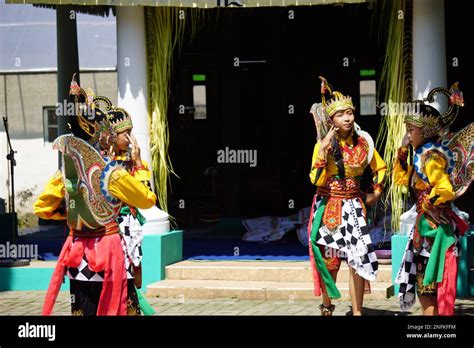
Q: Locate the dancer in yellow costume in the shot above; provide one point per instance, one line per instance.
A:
(338, 222)
(438, 172)
(96, 185)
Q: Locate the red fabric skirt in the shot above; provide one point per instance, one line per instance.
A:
(102, 254)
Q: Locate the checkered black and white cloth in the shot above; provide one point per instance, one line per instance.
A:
(132, 237)
(83, 272)
(352, 238)
(406, 276)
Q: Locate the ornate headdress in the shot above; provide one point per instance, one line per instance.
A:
(430, 121)
(120, 120)
(323, 111)
(97, 117)
(337, 102)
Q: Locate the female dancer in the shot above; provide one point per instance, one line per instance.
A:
(338, 222)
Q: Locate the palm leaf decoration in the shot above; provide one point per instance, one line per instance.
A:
(165, 32)
(395, 87)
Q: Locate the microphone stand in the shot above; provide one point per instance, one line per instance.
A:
(11, 158)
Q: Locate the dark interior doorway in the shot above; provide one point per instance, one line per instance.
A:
(260, 71)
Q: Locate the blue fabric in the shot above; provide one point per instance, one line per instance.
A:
(234, 249)
(211, 248)
(49, 247)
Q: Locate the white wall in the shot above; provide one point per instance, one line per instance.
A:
(36, 162)
(22, 97)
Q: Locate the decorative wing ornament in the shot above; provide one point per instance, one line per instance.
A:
(90, 205)
(458, 149)
(320, 119)
(461, 144)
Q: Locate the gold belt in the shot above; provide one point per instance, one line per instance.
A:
(107, 230)
(340, 188)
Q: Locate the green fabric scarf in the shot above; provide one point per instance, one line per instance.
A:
(443, 238)
(126, 211)
(331, 288)
(144, 305)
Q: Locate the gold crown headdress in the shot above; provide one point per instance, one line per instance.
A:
(430, 123)
(90, 113)
(120, 120)
(337, 102)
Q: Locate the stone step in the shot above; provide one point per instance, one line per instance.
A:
(272, 271)
(252, 290)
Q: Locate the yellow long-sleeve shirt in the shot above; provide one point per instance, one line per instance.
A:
(434, 167)
(355, 162)
(122, 185)
(143, 174)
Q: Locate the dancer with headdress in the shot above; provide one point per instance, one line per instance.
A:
(97, 187)
(436, 166)
(113, 139)
(338, 222)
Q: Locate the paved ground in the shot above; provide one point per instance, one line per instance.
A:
(30, 303)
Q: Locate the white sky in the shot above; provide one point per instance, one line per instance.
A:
(28, 39)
